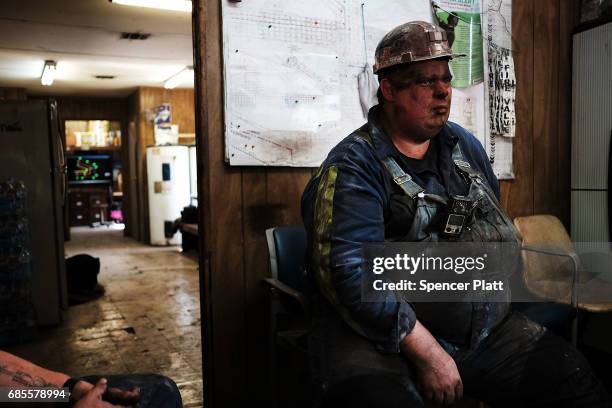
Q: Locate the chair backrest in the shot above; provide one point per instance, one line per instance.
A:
(287, 248)
(546, 275)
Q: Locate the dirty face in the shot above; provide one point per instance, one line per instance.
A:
(417, 100)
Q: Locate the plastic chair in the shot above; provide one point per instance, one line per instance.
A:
(287, 250)
(289, 307)
(553, 271)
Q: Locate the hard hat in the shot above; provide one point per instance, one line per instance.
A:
(412, 42)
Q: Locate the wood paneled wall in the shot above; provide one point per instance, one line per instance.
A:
(13, 94)
(141, 131)
(238, 204)
(81, 108)
(542, 39)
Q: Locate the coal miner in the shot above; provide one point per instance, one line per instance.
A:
(392, 180)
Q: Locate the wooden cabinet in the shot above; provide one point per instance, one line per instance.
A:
(78, 208)
(79, 200)
(78, 218)
(88, 205)
(98, 199)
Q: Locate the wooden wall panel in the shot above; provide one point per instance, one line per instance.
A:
(204, 70)
(256, 215)
(542, 39)
(91, 108)
(285, 187)
(545, 105)
(220, 202)
(181, 101)
(237, 204)
(13, 94)
(517, 195)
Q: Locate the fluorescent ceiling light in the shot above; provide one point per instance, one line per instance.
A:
(48, 74)
(175, 5)
(185, 75)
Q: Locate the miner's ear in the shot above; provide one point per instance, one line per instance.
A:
(387, 90)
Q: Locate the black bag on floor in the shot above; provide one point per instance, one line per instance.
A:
(82, 278)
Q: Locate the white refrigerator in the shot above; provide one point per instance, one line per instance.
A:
(193, 174)
(169, 190)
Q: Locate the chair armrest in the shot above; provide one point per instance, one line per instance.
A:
(289, 291)
(566, 254)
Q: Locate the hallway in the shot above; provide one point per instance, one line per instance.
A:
(148, 320)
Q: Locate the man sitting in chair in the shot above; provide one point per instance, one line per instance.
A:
(385, 182)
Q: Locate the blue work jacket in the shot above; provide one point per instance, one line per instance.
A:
(353, 200)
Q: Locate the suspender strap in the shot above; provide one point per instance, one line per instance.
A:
(399, 176)
(460, 162)
(403, 180)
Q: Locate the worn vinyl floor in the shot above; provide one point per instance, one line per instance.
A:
(148, 320)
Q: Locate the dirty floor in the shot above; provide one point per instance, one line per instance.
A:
(147, 322)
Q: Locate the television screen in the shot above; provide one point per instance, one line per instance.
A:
(90, 169)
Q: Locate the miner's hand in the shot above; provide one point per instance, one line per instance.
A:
(438, 377)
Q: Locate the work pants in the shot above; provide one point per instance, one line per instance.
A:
(520, 364)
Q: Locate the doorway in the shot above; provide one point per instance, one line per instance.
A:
(95, 193)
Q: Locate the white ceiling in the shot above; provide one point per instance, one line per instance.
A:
(83, 37)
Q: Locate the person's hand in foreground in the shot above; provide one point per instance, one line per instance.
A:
(83, 389)
(15, 372)
(437, 373)
(93, 397)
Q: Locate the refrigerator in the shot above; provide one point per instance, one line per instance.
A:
(168, 190)
(193, 175)
(591, 133)
(32, 154)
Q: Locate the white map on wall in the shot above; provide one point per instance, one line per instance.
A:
(290, 78)
(291, 73)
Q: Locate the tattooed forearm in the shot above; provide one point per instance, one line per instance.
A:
(23, 378)
(17, 372)
(30, 381)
